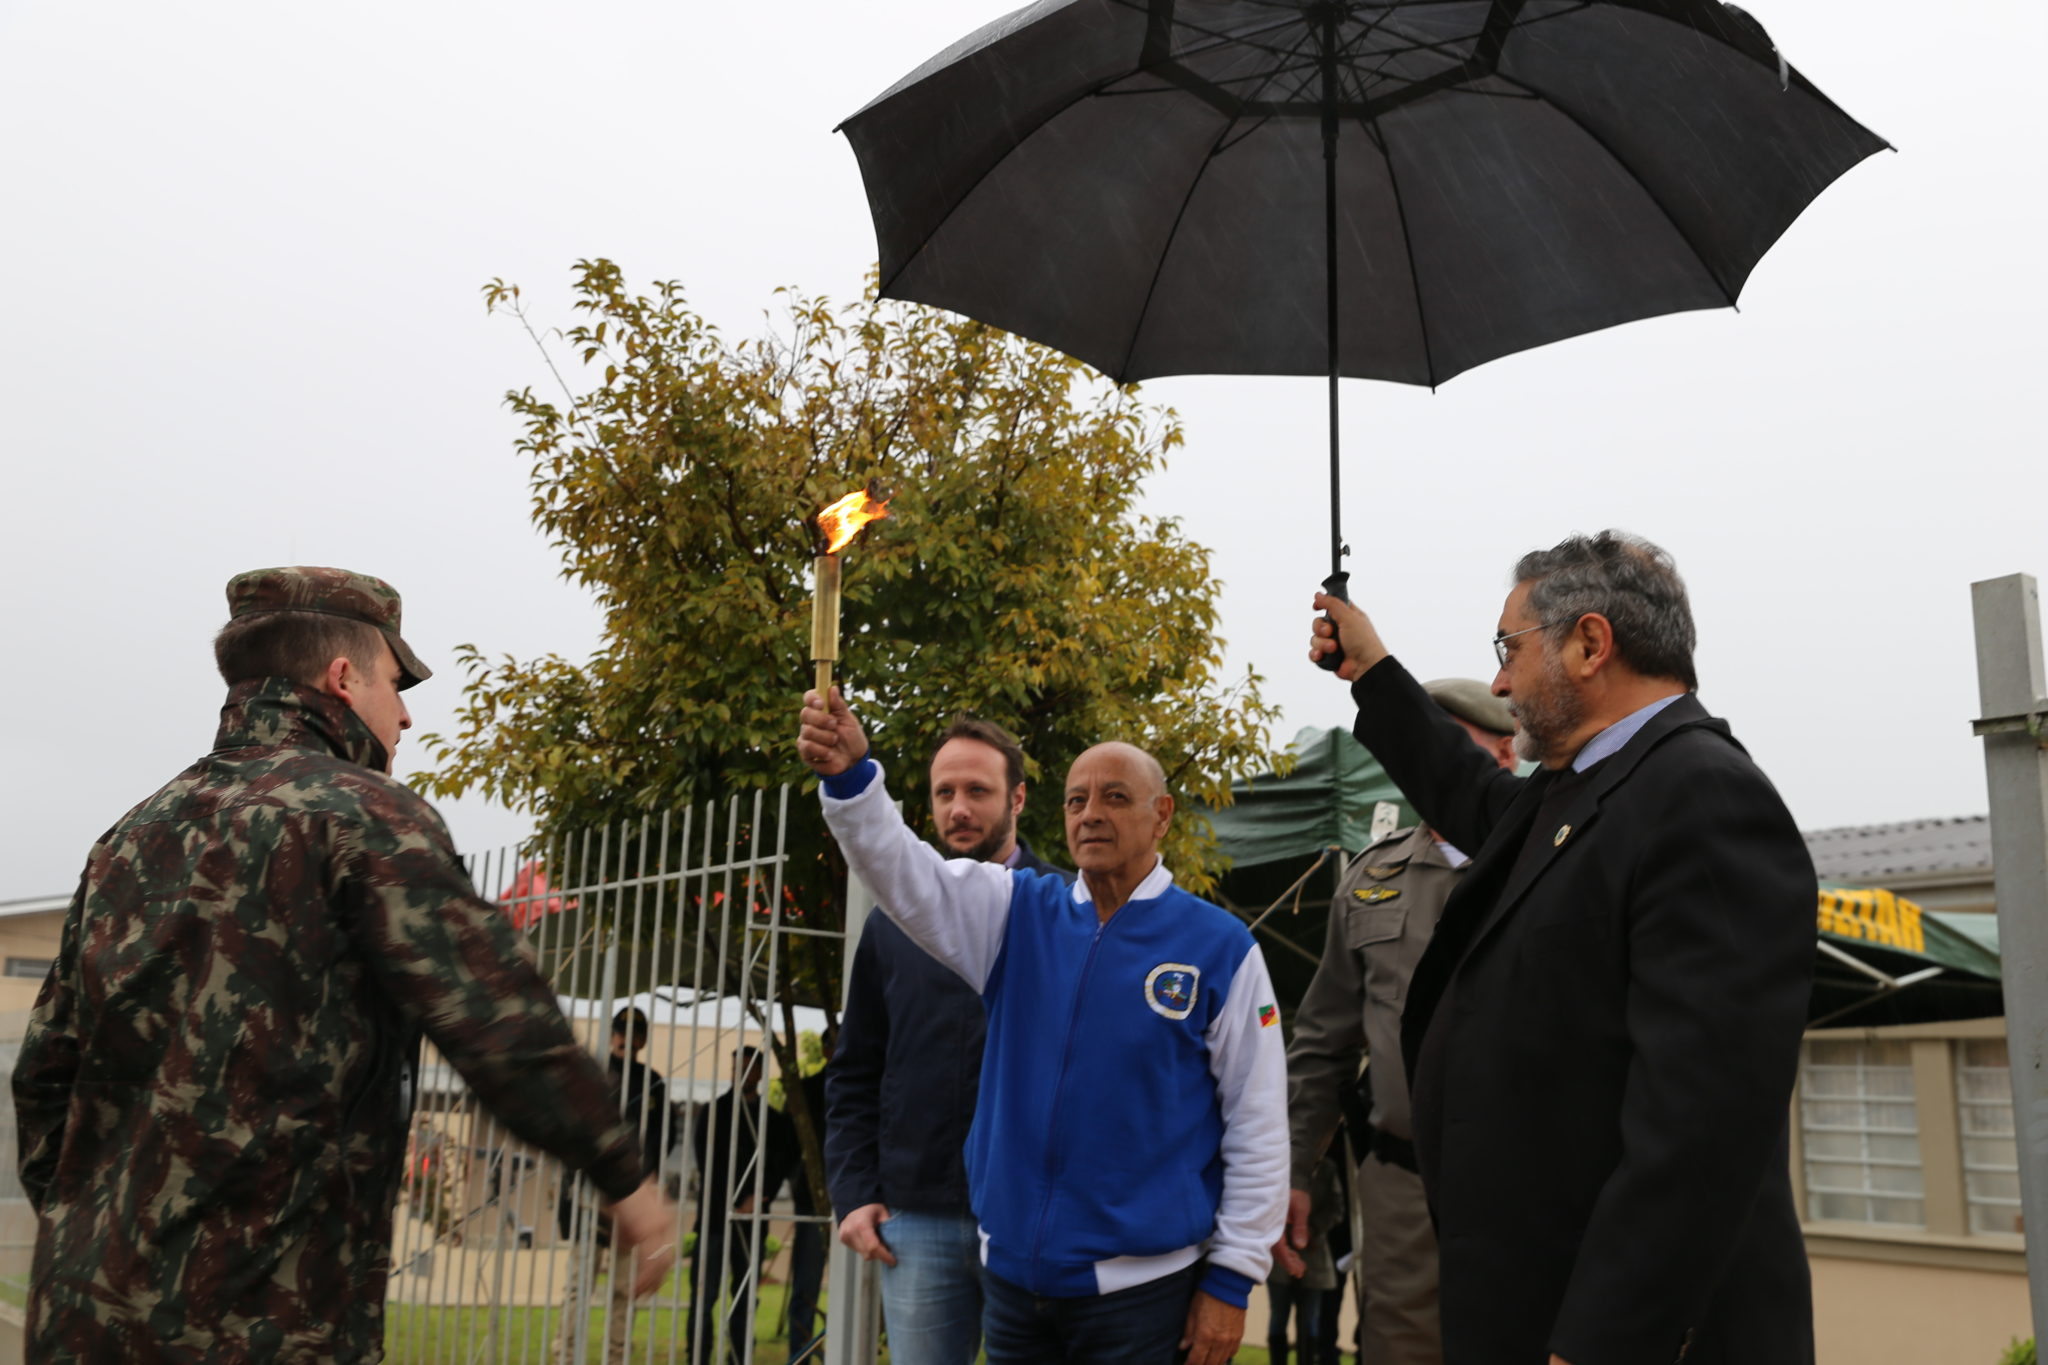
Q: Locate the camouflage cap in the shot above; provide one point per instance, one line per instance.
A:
(1470, 700)
(330, 592)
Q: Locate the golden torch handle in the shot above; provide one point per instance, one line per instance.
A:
(825, 619)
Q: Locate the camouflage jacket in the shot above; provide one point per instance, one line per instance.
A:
(210, 1092)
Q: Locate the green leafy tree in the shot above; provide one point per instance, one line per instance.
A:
(1013, 578)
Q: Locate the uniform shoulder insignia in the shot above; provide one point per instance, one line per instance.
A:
(1373, 895)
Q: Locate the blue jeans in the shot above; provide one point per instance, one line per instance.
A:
(1136, 1326)
(931, 1297)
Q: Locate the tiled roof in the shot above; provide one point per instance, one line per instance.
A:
(1865, 852)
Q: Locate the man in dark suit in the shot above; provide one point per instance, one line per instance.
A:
(1604, 1031)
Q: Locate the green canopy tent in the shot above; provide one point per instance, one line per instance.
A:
(1280, 833)
(1884, 960)
(1879, 959)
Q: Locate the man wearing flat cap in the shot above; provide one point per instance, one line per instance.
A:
(210, 1093)
(1381, 919)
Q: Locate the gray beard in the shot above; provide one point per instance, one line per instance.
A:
(1544, 721)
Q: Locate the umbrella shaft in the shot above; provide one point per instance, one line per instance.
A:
(1329, 63)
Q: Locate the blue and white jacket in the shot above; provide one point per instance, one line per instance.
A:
(1133, 1109)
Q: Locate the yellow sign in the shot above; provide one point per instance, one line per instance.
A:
(1873, 916)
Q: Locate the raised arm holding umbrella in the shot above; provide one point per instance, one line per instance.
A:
(1394, 190)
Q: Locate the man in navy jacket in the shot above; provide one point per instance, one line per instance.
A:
(900, 1090)
(1128, 1160)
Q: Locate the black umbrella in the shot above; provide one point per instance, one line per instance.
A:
(1229, 186)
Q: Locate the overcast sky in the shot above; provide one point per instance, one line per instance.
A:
(240, 326)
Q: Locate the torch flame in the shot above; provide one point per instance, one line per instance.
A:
(842, 521)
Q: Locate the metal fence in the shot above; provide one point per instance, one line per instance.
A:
(497, 1254)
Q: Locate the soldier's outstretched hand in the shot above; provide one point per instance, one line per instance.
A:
(645, 1223)
(830, 740)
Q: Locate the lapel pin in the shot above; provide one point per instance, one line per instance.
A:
(1564, 832)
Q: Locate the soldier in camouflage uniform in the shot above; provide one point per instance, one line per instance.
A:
(210, 1092)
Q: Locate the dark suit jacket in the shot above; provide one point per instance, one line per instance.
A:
(1603, 1043)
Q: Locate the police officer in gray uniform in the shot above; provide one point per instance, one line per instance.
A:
(1385, 910)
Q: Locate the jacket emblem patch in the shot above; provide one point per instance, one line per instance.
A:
(1268, 1016)
(1373, 895)
(1172, 988)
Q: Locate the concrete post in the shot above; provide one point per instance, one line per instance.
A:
(2011, 687)
(853, 1315)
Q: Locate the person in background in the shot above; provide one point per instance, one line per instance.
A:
(642, 1097)
(807, 1239)
(1294, 1299)
(728, 1141)
(1385, 909)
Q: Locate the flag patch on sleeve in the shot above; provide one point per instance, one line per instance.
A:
(1268, 1016)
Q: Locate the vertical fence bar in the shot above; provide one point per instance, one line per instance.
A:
(490, 1208)
(606, 1012)
(703, 1254)
(678, 1280)
(646, 1043)
(853, 1327)
(723, 1255)
(553, 862)
(757, 1225)
(569, 1329)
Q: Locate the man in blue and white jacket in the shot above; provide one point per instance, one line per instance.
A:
(1128, 1160)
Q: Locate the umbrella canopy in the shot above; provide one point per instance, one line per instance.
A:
(1234, 186)
(1142, 184)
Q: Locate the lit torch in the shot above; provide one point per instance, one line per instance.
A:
(837, 526)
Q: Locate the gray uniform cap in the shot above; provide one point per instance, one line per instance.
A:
(1470, 700)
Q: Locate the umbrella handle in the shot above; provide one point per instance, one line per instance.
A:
(1337, 586)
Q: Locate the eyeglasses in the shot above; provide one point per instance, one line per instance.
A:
(1500, 642)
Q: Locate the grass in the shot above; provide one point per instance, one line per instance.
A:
(423, 1334)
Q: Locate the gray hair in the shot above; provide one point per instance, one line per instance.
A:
(1626, 579)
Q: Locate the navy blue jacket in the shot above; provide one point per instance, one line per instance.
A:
(900, 1091)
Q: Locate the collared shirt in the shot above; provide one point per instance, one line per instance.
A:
(1611, 740)
(1154, 885)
